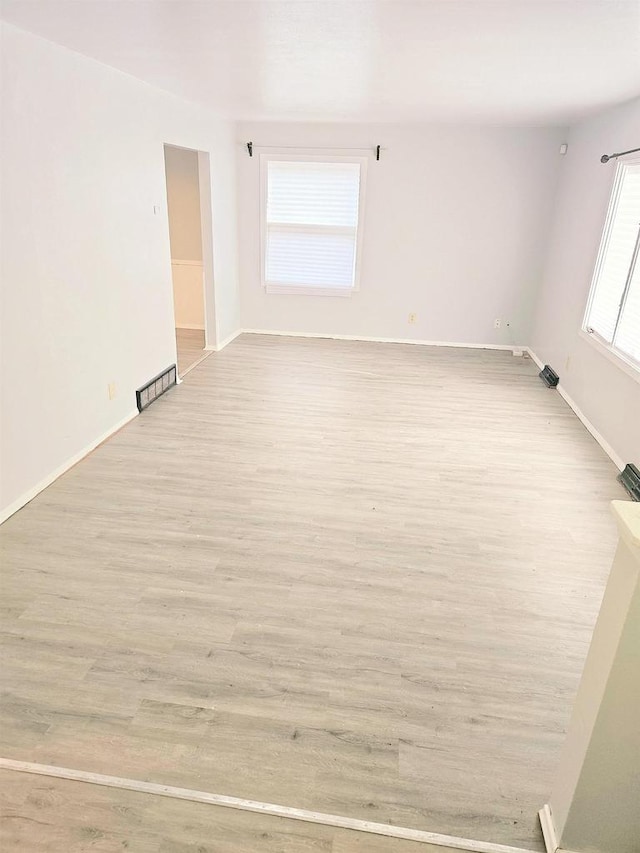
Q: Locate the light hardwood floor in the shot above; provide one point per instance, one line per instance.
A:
(349, 577)
(74, 817)
(190, 344)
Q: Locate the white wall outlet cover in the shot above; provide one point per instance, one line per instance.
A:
(517, 351)
(564, 148)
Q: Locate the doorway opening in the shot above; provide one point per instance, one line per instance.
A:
(189, 213)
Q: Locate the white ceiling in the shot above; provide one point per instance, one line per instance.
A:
(503, 61)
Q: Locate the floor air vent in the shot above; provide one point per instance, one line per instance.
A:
(549, 376)
(630, 479)
(156, 387)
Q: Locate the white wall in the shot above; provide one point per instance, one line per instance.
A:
(456, 223)
(608, 397)
(86, 274)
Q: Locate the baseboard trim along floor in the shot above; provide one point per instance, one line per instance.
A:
(516, 348)
(34, 491)
(548, 829)
(405, 833)
(604, 444)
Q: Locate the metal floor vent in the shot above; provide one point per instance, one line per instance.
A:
(156, 387)
(549, 376)
(630, 479)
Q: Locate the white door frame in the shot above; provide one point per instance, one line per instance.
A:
(211, 335)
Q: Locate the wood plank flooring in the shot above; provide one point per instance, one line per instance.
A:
(190, 344)
(349, 577)
(74, 817)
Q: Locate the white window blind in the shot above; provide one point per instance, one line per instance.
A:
(613, 314)
(311, 226)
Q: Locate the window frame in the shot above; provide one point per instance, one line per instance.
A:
(310, 156)
(628, 363)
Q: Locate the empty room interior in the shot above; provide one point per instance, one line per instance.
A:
(320, 426)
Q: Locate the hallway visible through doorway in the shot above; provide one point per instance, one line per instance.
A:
(187, 268)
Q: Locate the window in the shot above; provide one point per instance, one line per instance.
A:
(613, 313)
(311, 223)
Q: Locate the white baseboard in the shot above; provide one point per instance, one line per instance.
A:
(191, 327)
(604, 444)
(548, 829)
(534, 357)
(226, 341)
(414, 341)
(29, 495)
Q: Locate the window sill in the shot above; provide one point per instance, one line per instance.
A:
(307, 291)
(617, 358)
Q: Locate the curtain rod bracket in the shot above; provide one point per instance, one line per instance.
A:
(606, 157)
(250, 148)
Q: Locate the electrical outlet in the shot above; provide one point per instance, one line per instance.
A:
(497, 323)
(111, 390)
(412, 318)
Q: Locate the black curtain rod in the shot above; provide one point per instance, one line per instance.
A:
(606, 157)
(301, 147)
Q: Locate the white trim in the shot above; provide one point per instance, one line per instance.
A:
(226, 341)
(604, 444)
(534, 357)
(191, 327)
(612, 354)
(548, 829)
(209, 287)
(609, 349)
(259, 808)
(61, 469)
(180, 263)
(414, 341)
(616, 186)
(307, 290)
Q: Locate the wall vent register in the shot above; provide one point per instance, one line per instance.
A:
(549, 376)
(630, 479)
(156, 387)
